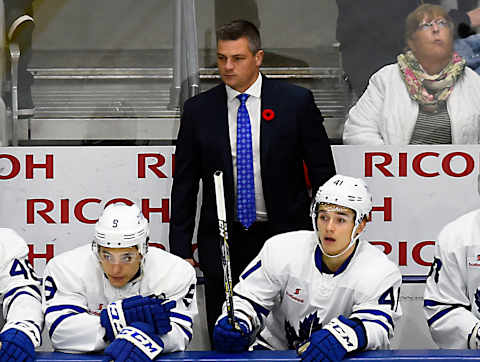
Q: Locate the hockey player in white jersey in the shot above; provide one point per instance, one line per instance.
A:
(22, 309)
(323, 292)
(452, 294)
(114, 293)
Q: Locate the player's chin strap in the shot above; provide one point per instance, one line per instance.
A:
(353, 239)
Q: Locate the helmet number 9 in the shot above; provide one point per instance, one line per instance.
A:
(115, 223)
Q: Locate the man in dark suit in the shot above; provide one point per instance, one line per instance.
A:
(285, 130)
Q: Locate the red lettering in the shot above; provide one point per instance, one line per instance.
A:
(78, 210)
(49, 252)
(173, 164)
(42, 213)
(387, 248)
(64, 211)
(164, 209)
(417, 167)
(416, 252)
(402, 253)
(387, 160)
(402, 164)
(155, 167)
(30, 165)
(119, 199)
(469, 164)
(386, 208)
(15, 167)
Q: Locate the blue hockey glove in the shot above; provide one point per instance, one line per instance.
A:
(334, 341)
(137, 342)
(153, 311)
(228, 339)
(16, 346)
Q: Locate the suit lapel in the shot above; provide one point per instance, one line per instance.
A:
(268, 103)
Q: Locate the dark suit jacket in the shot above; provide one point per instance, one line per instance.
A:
(294, 134)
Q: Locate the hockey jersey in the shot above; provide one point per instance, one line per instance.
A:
(287, 296)
(452, 293)
(19, 287)
(76, 289)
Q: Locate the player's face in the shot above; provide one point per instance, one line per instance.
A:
(119, 264)
(237, 65)
(335, 225)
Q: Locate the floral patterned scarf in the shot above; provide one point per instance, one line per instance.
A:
(429, 90)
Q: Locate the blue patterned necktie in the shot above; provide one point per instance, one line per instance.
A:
(245, 185)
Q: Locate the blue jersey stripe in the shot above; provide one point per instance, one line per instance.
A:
(440, 315)
(434, 303)
(378, 322)
(58, 321)
(11, 291)
(186, 331)
(57, 308)
(17, 295)
(181, 316)
(258, 308)
(251, 270)
(376, 312)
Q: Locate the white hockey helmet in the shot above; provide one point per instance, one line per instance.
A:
(122, 226)
(344, 191)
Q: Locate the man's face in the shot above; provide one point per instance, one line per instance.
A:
(237, 65)
(335, 225)
(119, 264)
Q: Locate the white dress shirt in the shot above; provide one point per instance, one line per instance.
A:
(253, 107)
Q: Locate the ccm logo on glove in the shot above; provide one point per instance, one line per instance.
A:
(142, 341)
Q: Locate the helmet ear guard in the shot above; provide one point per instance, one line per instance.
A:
(344, 191)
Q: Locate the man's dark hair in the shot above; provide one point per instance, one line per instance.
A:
(238, 29)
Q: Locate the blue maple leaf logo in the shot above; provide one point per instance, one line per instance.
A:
(306, 327)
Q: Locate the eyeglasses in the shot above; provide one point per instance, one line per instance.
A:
(126, 258)
(441, 23)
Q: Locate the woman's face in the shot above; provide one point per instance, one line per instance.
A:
(433, 40)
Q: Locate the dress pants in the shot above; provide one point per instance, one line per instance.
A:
(244, 246)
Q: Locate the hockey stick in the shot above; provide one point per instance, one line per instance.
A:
(222, 226)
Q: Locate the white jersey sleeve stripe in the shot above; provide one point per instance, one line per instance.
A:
(17, 295)
(251, 270)
(65, 307)
(440, 314)
(181, 316)
(375, 312)
(378, 322)
(186, 331)
(58, 321)
(60, 307)
(13, 290)
(258, 308)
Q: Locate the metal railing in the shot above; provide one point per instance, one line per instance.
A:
(186, 80)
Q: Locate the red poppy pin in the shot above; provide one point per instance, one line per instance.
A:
(268, 114)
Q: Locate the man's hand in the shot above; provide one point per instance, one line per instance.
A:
(153, 311)
(332, 342)
(191, 261)
(228, 339)
(137, 342)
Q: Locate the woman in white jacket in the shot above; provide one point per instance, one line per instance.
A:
(427, 97)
